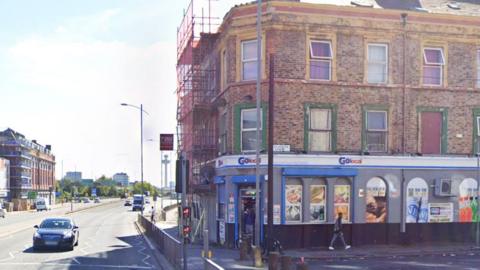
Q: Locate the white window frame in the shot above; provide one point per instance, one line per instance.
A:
(311, 130)
(222, 137)
(248, 60)
(433, 65)
(377, 63)
(478, 126)
(224, 69)
(321, 59)
(249, 129)
(385, 130)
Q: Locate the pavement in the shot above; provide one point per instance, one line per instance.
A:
(433, 256)
(108, 240)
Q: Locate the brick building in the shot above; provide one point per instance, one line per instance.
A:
(377, 112)
(32, 169)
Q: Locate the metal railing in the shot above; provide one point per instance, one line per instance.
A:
(169, 246)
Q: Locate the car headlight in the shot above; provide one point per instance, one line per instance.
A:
(37, 235)
(67, 234)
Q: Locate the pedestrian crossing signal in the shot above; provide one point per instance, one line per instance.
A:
(186, 231)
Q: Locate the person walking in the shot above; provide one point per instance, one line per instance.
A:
(338, 233)
(153, 215)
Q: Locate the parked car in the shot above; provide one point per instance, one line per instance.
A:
(42, 204)
(128, 202)
(3, 212)
(56, 233)
(97, 200)
(86, 200)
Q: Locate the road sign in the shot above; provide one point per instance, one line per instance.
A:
(94, 192)
(166, 142)
(32, 195)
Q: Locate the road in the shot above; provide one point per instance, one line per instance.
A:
(108, 240)
(448, 261)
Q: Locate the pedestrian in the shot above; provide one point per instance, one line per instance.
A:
(153, 215)
(337, 233)
(249, 221)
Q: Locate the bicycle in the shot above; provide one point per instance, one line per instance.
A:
(276, 246)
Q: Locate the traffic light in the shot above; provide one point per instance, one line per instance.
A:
(187, 213)
(186, 231)
(178, 175)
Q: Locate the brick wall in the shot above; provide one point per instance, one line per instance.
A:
(286, 37)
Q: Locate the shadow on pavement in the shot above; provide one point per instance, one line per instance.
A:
(44, 250)
(134, 254)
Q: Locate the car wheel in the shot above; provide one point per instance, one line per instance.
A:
(70, 248)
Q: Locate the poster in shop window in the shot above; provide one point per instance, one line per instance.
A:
(440, 212)
(341, 202)
(376, 201)
(293, 203)
(317, 203)
(467, 201)
(417, 201)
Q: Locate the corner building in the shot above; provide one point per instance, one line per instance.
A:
(376, 115)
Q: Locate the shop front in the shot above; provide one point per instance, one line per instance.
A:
(384, 200)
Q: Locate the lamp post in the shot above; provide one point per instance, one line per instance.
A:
(141, 146)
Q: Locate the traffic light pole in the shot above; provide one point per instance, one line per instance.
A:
(184, 204)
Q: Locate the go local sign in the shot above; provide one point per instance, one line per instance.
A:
(247, 161)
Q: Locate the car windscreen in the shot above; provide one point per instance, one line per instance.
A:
(56, 224)
(137, 201)
(40, 203)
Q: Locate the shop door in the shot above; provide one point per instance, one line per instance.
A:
(431, 132)
(246, 217)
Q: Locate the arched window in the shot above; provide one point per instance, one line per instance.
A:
(376, 201)
(417, 201)
(467, 200)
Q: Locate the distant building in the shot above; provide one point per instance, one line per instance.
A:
(73, 176)
(87, 182)
(4, 179)
(32, 168)
(121, 179)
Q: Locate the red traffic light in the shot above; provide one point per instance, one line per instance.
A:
(186, 212)
(186, 231)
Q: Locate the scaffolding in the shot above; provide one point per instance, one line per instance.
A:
(196, 88)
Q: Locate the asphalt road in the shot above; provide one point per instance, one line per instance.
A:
(448, 261)
(108, 240)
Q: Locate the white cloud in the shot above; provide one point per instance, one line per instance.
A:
(84, 83)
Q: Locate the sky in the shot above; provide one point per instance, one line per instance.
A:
(65, 67)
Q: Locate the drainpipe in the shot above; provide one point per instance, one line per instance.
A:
(404, 80)
(403, 209)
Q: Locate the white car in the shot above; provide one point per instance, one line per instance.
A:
(3, 213)
(42, 204)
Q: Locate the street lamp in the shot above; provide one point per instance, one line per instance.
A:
(141, 146)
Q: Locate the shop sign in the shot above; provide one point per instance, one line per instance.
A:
(247, 161)
(221, 231)
(347, 161)
(166, 142)
(417, 201)
(440, 212)
(231, 209)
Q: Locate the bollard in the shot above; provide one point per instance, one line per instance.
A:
(257, 256)
(273, 260)
(243, 250)
(285, 262)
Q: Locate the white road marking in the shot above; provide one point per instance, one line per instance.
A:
(7, 259)
(75, 260)
(98, 266)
